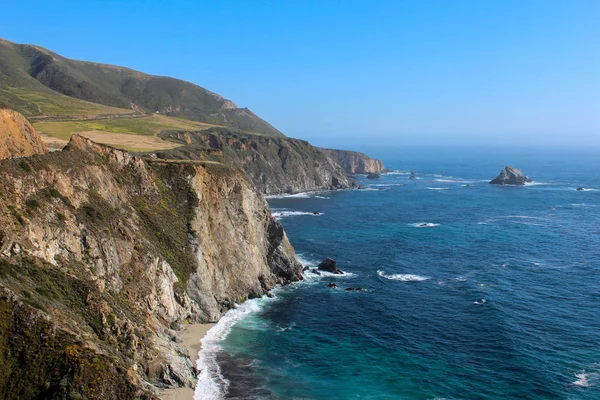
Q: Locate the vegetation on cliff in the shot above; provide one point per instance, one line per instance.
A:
(103, 256)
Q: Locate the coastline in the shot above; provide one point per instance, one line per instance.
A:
(191, 336)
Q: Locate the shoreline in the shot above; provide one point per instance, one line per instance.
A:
(191, 336)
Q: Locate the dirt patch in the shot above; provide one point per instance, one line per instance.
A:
(119, 140)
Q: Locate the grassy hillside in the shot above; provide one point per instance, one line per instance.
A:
(38, 82)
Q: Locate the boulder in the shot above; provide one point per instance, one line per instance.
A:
(510, 176)
(314, 271)
(329, 265)
(579, 189)
(373, 175)
(331, 285)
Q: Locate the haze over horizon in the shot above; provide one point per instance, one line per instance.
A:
(350, 73)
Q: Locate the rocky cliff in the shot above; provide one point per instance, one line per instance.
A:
(17, 137)
(354, 162)
(104, 256)
(275, 165)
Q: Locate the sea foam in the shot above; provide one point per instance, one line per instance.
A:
(212, 385)
(402, 277)
(423, 225)
(279, 214)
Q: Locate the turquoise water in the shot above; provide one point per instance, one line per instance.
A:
(497, 296)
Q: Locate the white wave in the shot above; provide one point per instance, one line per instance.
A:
(385, 184)
(396, 172)
(480, 302)
(448, 180)
(212, 385)
(423, 225)
(302, 195)
(279, 214)
(322, 197)
(435, 188)
(582, 380)
(589, 190)
(521, 216)
(537, 183)
(325, 274)
(402, 277)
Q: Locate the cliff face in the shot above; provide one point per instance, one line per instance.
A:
(17, 137)
(275, 165)
(354, 162)
(103, 256)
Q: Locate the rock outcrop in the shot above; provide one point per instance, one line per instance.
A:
(510, 176)
(104, 256)
(354, 162)
(17, 137)
(275, 165)
(330, 265)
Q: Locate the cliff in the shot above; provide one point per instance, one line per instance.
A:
(17, 137)
(104, 256)
(354, 162)
(275, 165)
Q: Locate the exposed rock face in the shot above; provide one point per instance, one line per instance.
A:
(329, 265)
(104, 255)
(510, 176)
(17, 137)
(275, 165)
(354, 162)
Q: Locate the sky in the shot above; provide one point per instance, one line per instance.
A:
(356, 72)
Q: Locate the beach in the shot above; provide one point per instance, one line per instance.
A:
(191, 336)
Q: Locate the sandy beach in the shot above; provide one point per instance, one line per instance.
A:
(191, 336)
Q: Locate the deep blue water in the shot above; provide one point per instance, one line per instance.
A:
(497, 297)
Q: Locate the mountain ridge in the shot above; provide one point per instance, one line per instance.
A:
(40, 70)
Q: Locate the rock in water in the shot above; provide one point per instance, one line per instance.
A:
(510, 176)
(373, 175)
(330, 265)
(579, 189)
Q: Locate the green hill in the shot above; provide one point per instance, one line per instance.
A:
(40, 83)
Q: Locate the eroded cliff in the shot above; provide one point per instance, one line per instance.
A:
(104, 256)
(17, 137)
(275, 165)
(354, 162)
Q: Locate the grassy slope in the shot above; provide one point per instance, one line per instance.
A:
(37, 82)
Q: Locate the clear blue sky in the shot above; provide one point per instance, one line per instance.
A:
(480, 71)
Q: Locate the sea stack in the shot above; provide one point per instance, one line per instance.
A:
(510, 176)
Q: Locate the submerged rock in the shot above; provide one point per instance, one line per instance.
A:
(373, 175)
(412, 175)
(331, 285)
(510, 176)
(330, 265)
(579, 189)
(314, 271)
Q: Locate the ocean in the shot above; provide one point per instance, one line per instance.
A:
(471, 291)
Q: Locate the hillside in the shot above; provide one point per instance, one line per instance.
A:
(40, 83)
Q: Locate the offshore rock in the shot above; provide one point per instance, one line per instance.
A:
(510, 176)
(373, 175)
(329, 265)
